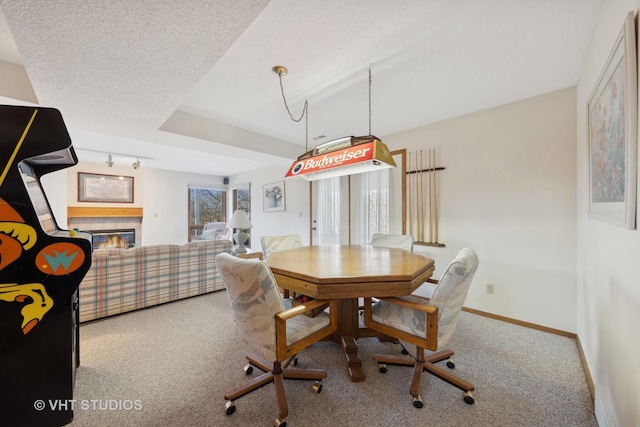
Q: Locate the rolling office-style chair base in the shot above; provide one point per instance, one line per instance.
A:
(276, 374)
(427, 364)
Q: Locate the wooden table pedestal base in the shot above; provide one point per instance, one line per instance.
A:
(354, 364)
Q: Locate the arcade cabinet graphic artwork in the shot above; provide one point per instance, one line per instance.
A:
(41, 267)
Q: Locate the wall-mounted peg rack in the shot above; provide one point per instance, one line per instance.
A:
(422, 200)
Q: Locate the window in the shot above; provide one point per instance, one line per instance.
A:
(328, 217)
(350, 209)
(206, 205)
(242, 201)
(371, 210)
(242, 198)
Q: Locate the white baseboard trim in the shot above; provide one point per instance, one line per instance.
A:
(602, 411)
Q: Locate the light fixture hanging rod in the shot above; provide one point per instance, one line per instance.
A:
(369, 99)
(282, 71)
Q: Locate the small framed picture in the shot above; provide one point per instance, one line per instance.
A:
(273, 196)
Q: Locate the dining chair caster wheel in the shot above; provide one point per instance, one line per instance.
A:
(404, 351)
(229, 408)
(248, 369)
(417, 402)
(468, 398)
(317, 387)
(382, 368)
(279, 423)
(451, 363)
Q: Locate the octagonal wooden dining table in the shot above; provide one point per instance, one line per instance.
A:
(346, 273)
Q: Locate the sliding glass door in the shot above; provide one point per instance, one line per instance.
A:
(350, 209)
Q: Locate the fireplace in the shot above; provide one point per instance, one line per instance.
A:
(111, 227)
(108, 239)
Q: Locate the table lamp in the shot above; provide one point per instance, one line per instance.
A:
(240, 221)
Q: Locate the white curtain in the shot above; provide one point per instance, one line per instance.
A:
(328, 211)
(371, 210)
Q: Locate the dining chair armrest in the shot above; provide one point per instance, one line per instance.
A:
(301, 308)
(424, 307)
(283, 350)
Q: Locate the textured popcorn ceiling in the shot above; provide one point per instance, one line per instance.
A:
(166, 77)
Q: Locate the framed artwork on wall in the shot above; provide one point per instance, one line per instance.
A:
(93, 187)
(612, 120)
(273, 196)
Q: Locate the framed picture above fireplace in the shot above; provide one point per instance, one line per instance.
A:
(93, 187)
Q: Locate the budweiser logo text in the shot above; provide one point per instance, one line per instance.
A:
(331, 160)
(335, 159)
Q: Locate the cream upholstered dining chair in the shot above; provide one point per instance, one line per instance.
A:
(394, 241)
(427, 324)
(272, 331)
(272, 244)
(399, 241)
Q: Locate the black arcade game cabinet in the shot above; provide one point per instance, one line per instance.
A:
(41, 267)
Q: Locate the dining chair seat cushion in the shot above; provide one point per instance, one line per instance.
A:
(299, 327)
(401, 318)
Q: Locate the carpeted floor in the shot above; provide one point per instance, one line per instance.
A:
(171, 365)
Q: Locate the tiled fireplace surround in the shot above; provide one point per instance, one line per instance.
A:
(93, 221)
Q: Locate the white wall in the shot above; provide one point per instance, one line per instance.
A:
(165, 199)
(55, 188)
(293, 220)
(163, 196)
(161, 193)
(15, 83)
(608, 262)
(508, 191)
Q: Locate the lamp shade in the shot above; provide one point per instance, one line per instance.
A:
(344, 156)
(240, 219)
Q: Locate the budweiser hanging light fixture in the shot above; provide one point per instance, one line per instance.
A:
(343, 156)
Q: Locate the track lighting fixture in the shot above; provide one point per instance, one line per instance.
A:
(136, 164)
(109, 161)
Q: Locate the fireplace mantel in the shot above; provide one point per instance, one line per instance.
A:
(97, 212)
(101, 219)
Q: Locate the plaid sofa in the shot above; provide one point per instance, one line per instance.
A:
(122, 280)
